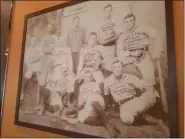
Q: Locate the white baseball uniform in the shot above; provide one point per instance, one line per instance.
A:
(106, 31)
(91, 57)
(89, 93)
(125, 89)
(47, 44)
(136, 39)
(56, 75)
(32, 60)
(62, 55)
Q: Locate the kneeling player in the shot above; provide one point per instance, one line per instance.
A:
(123, 88)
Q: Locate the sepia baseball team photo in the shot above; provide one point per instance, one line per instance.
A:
(97, 68)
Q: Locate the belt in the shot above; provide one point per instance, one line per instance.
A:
(125, 100)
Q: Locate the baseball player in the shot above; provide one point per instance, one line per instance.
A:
(62, 55)
(134, 35)
(89, 92)
(46, 44)
(90, 56)
(59, 82)
(134, 49)
(124, 90)
(32, 63)
(75, 40)
(107, 36)
(91, 103)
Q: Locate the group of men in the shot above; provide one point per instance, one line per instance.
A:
(107, 68)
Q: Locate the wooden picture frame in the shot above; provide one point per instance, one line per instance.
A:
(171, 77)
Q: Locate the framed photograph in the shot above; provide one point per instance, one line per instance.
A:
(99, 69)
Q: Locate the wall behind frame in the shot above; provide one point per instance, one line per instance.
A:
(21, 9)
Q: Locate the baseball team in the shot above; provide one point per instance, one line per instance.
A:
(85, 78)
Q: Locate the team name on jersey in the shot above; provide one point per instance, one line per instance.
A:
(62, 53)
(88, 90)
(62, 84)
(133, 39)
(119, 89)
(108, 26)
(91, 58)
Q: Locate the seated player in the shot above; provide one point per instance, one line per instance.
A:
(91, 104)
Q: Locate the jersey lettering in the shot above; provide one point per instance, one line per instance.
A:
(119, 89)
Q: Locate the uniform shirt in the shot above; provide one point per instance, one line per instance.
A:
(32, 59)
(89, 57)
(86, 91)
(125, 88)
(62, 55)
(106, 31)
(62, 83)
(47, 44)
(135, 39)
(76, 39)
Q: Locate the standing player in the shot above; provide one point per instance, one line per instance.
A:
(62, 55)
(107, 37)
(32, 63)
(46, 44)
(32, 59)
(75, 40)
(134, 35)
(134, 47)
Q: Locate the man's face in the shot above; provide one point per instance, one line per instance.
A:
(92, 40)
(76, 22)
(108, 12)
(117, 69)
(136, 53)
(130, 23)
